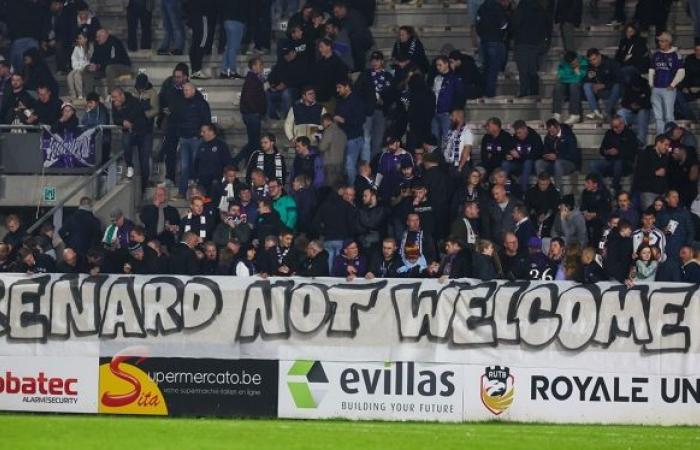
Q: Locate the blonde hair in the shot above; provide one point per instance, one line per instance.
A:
(665, 36)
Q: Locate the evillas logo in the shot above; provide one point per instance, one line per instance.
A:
(126, 389)
(497, 390)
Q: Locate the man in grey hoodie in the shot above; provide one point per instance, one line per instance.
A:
(569, 224)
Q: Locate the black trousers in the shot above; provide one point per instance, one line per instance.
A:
(260, 30)
(168, 153)
(202, 39)
(136, 15)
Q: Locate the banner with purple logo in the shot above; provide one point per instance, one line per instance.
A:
(69, 151)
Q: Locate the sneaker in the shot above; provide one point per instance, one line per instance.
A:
(595, 115)
(199, 75)
(261, 51)
(557, 117)
(573, 118)
(130, 172)
(614, 23)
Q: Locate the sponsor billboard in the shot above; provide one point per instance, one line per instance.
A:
(133, 384)
(386, 391)
(567, 396)
(48, 384)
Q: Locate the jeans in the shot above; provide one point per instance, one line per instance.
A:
(559, 168)
(662, 102)
(615, 168)
(628, 73)
(375, 127)
(252, 125)
(611, 96)
(260, 31)
(173, 25)
(188, 151)
(440, 126)
(564, 90)
(279, 102)
(19, 46)
(494, 54)
(136, 15)
(234, 35)
(333, 248)
(527, 59)
(353, 149)
(640, 120)
(202, 40)
(144, 145)
(522, 168)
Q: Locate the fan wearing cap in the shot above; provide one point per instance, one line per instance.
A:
(140, 262)
(389, 167)
(570, 224)
(67, 125)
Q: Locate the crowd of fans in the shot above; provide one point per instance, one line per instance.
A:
(387, 179)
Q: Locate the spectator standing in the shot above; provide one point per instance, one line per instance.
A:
(498, 218)
(389, 167)
(569, 223)
(358, 31)
(602, 81)
(649, 235)
(678, 226)
(161, 221)
(212, 156)
(189, 118)
(596, 206)
(466, 70)
(284, 204)
(259, 30)
(337, 221)
(201, 17)
(570, 75)
(532, 33)
(28, 22)
(16, 100)
(625, 209)
(37, 72)
(174, 39)
(618, 149)
(109, 60)
(665, 74)
(148, 97)
(183, 259)
(457, 148)
(561, 155)
(690, 269)
(128, 113)
(235, 16)
(567, 13)
(171, 99)
(408, 51)
(651, 171)
(449, 95)
(139, 12)
(46, 110)
(543, 202)
(332, 148)
(268, 160)
(328, 71)
(350, 116)
(492, 25)
(378, 93)
(86, 22)
(683, 175)
(253, 106)
(690, 87)
(524, 229)
(59, 40)
(286, 80)
(82, 229)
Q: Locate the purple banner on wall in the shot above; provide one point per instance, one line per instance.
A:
(68, 151)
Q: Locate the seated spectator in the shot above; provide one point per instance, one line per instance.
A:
(8, 264)
(315, 264)
(618, 257)
(465, 68)
(408, 51)
(211, 158)
(680, 137)
(602, 81)
(569, 223)
(556, 256)
(495, 145)
(665, 74)
(234, 225)
(543, 202)
(82, 230)
(286, 80)
(618, 149)
(161, 221)
(32, 262)
(595, 205)
(385, 264)
(626, 209)
(46, 109)
(116, 235)
(307, 162)
(690, 271)
(561, 155)
(456, 262)
(109, 60)
(183, 259)
(284, 204)
(80, 60)
(485, 262)
(651, 171)
(500, 177)
(514, 259)
(268, 160)
(15, 235)
(197, 221)
(349, 263)
(67, 124)
(635, 107)
(690, 86)
(632, 54)
(258, 185)
(571, 73)
(683, 175)
(678, 226)
(592, 271)
(37, 73)
(527, 148)
(17, 102)
(498, 218)
(282, 258)
(540, 267)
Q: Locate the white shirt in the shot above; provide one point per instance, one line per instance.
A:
(456, 139)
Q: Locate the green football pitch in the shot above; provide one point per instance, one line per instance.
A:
(136, 433)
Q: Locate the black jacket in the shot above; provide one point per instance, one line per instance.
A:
(27, 19)
(183, 260)
(326, 73)
(645, 178)
(607, 72)
(253, 95)
(531, 147)
(211, 159)
(294, 73)
(38, 73)
(626, 144)
(618, 260)
(48, 113)
(11, 101)
(268, 224)
(111, 52)
(633, 52)
(524, 232)
(459, 267)
(81, 231)
(149, 265)
(637, 95)
(193, 113)
(336, 219)
(495, 149)
(542, 202)
(568, 11)
(516, 267)
(492, 22)
(531, 24)
(382, 268)
(314, 267)
(131, 111)
(149, 217)
(238, 10)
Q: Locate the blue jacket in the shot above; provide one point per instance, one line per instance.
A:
(311, 165)
(352, 109)
(211, 159)
(451, 93)
(192, 114)
(564, 146)
(684, 234)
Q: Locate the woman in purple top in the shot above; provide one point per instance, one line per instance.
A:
(349, 264)
(665, 73)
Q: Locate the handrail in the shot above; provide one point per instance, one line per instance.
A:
(78, 188)
(22, 126)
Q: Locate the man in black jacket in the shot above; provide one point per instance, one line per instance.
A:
(128, 113)
(109, 60)
(336, 221)
(651, 171)
(618, 255)
(543, 201)
(466, 69)
(602, 81)
(327, 72)
(316, 262)
(161, 220)
(286, 80)
(360, 35)
(527, 148)
(15, 100)
(457, 262)
(524, 228)
(635, 107)
(282, 259)
(253, 107)
(532, 32)
(212, 157)
(385, 264)
(596, 205)
(495, 145)
(567, 13)
(515, 260)
(183, 258)
(189, 119)
(82, 230)
(60, 39)
(492, 23)
(47, 108)
(618, 149)
(170, 99)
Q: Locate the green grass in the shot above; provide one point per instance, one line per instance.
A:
(23, 431)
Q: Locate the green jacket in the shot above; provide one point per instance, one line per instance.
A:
(566, 74)
(286, 207)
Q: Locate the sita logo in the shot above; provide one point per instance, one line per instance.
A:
(497, 389)
(307, 383)
(126, 389)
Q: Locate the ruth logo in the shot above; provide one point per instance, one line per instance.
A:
(126, 389)
(497, 389)
(307, 383)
